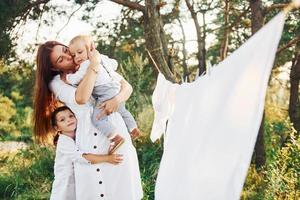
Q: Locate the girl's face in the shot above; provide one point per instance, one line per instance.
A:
(66, 122)
(61, 59)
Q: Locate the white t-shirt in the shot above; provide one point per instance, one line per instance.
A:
(66, 155)
(106, 74)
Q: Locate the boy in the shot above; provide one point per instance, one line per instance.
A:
(107, 86)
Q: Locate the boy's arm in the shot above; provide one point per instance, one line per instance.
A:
(111, 65)
(109, 62)
(75, 78)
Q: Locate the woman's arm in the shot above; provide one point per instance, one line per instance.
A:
(125, 92)
(85, 88)
(97, 158)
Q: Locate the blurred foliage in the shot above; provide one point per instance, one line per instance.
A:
(138, 73)
(16, 101)
(7, 111)
(28, 174)
(14, 14)
(280, 178)
(241, 29)
(125, 37)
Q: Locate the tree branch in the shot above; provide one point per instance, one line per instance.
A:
(36, 3)
(290, 43)
(129, 4)
(68, 20)
(275, 6)
(235, 23)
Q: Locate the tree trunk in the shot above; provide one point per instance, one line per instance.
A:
(184, 53)
(224, 44)
(154, 39)
(294, 105)
(259, 150)
(156, 42)
(257, 20)
(203, 39)
(201, 43)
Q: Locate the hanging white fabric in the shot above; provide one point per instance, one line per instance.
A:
(213, 122)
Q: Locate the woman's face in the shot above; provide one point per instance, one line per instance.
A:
(61, 58)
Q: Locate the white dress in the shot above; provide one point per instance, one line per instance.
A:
(63, 187)
(100, 181)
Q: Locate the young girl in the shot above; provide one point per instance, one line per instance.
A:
(107, 86)
(64, 122)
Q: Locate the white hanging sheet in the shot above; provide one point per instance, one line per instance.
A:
(213, 122)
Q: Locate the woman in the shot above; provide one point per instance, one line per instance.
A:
(99, 181)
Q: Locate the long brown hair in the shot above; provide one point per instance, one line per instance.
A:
(44, 102)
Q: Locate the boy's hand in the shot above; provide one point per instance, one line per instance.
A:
(63, 77)
(93, 55)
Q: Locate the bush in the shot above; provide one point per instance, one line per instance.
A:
(136, 71)
(280, 178)
(28, 174)
(7, 111)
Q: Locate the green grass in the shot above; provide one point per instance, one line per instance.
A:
(29, 173)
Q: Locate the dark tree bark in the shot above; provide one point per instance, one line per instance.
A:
(294, 104)
(257, 17)
(257, 20)
(154, 39)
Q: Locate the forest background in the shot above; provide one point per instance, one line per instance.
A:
(184, 37)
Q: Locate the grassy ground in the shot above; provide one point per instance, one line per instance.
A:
(28, 174)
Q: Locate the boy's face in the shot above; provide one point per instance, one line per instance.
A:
(66, 122)
(78, 51)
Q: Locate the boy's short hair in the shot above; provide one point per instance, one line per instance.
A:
(86, 38)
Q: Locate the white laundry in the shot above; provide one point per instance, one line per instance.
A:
(213, 122)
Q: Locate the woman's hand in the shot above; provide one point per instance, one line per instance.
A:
(109, 107)
(112, 105)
